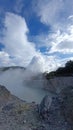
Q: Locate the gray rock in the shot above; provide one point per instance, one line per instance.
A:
(50, 111)
(4, 91)
(4, 95)
(67, 104)
(8, 107)
(57, 111)
(49, 105)
(44, 106)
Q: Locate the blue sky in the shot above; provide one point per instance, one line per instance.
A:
(36, 28)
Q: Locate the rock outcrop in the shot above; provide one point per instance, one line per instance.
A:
(59, 79)
(67, 103)
(50, 111)
(56, 84)
(58, 110)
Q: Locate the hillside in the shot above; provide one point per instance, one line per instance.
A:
(39, 109)
(59, 79)
(16, 114)
(11, 67)
(62, 71)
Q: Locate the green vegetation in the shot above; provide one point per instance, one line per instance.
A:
(62, 71)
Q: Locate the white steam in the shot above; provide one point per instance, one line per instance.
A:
(25, 84)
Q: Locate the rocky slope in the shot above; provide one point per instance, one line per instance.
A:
(16, 114)
(55, 112)
(56, 84)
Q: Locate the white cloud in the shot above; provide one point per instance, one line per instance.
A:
(48, 11)
(53, 12)
(4, 59)
(58, 14)
(15, 40)
(63, 41)
(42, 63)
(18, 50)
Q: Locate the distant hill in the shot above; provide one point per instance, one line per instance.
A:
(11, 67)
(62, 71)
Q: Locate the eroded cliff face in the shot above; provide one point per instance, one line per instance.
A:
(60, 78)
(56, 84)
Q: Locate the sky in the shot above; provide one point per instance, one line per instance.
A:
(37, 33)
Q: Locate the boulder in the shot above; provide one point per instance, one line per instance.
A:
(67, 103)
(50, 109)
(44, 106)
(58, 110)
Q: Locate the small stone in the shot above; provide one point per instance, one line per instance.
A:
(24, 122)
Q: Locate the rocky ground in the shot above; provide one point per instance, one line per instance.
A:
(16, 114)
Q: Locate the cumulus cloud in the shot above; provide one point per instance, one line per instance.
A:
(59, 41)
(63, 41)
(18, 50)
(4, 59)
(15, 39)
(58, 14)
